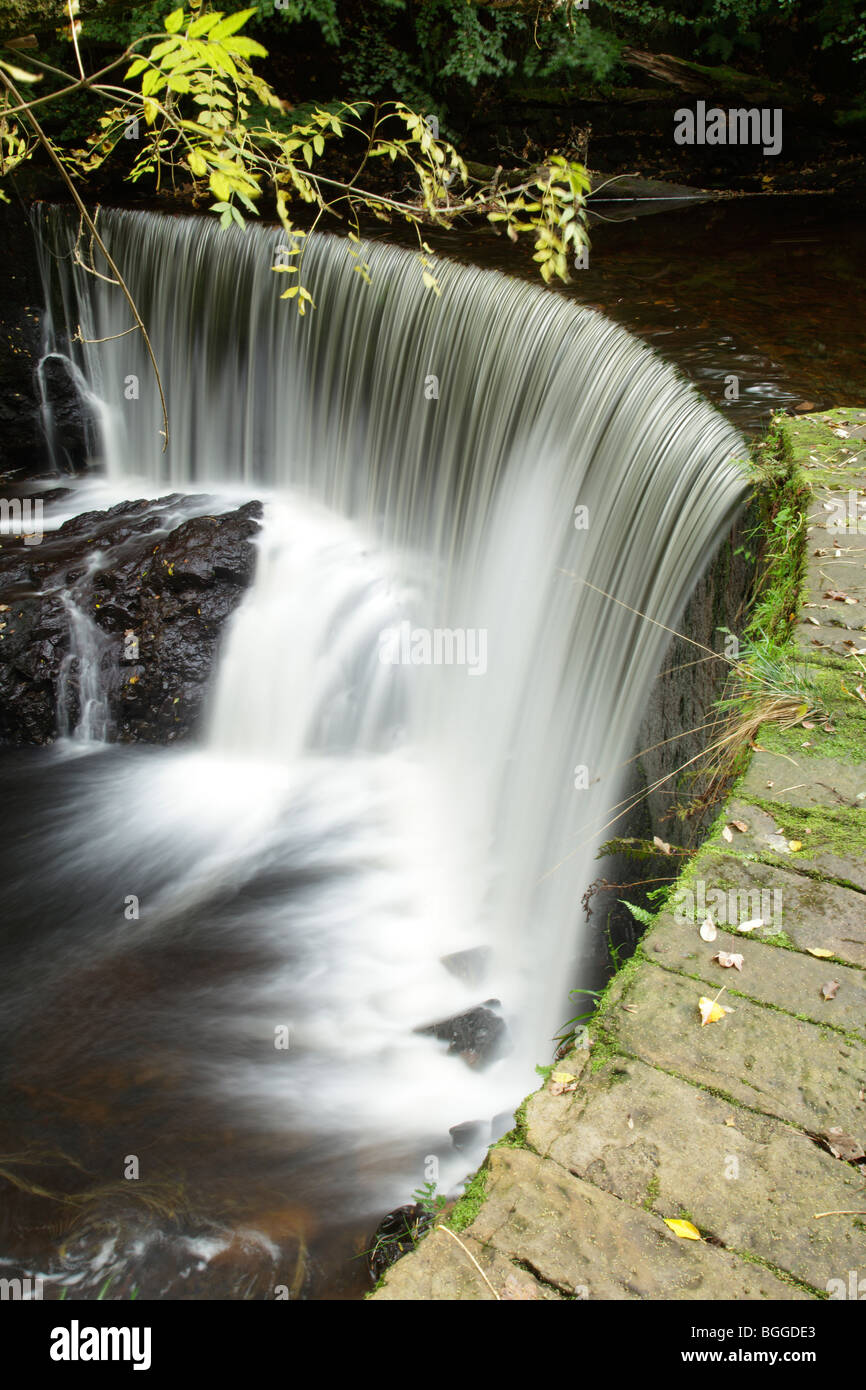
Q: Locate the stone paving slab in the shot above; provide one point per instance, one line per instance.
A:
(812, 914)
(440, 1270)
(748, 1180)
(785, 979)
(585, 1241)
(813, 781)
(765, 1059)
(766, 838)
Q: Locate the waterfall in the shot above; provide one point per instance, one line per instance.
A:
(424, 703)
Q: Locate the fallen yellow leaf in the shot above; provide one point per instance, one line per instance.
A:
(563, 1078)
(684, 1229)
(794, 845)
(820, 952)
(711, 1012)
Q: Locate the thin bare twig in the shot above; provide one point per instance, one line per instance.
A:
(449, 1232)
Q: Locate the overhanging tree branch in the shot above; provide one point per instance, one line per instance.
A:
(91, 225)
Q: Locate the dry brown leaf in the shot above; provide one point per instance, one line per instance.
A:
(740, 825)
(830, 990)
(729, 959)
(661, 844)
(750, 926)
(842, 1145)
(727, 833)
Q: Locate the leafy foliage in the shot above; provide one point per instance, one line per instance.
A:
(200, 112)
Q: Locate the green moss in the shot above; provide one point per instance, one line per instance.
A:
(841, 831)
(779, 938)
(652, 1192)
(516, 1137)
(468, 1206)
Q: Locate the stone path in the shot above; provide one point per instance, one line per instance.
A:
(725, 1125)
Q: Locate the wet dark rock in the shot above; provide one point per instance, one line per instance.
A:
(23, 449)
(479, 1035)
(469, 1134)
(163, 586)
(470, 965)
(396, 1234)
(68, 423)
(501, 1124)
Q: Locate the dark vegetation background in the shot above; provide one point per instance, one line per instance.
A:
(510, 80)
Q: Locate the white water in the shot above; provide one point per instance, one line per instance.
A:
(426, 808)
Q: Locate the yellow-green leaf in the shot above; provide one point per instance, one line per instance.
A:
(197, 163)
(174, 21)
(231, 24)
(19, 73)
(684, 1229)
(202, 24)
(220, 185)
(246, 48)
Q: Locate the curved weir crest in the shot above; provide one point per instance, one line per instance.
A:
(388, 770)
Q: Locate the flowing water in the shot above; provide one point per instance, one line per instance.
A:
(219, 955)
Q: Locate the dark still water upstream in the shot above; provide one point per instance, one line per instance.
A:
(770, 290)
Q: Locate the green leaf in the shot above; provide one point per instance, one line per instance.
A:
(162, 49)
(246, 48)
(318, 144)
(308, 155)
(174, 21)
(135, 68)
(640, 914)
(232, 23)
(201, 25)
